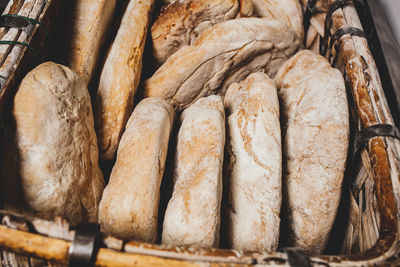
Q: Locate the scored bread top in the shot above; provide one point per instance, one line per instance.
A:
(180, 23)
(223, 54)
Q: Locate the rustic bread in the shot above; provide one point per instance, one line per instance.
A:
(91, 19)
(288, 11)
(224, 54)
(181, 22)
(315, 121)
(55, 137)
(120, 77)
(254, 171)
(192, 216)
(129, 207)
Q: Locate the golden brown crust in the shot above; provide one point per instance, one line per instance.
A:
(181, 22)
(92, 18)
(120, 77)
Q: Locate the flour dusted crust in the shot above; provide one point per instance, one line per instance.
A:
(120, 77)
(224, 54)
(181, 22)
(288, 11)
(255, 164)
(316, 135)
(91, 18)
(57, 145)
(193, 213)
(129, 207)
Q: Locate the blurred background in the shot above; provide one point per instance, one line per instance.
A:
(392, 8)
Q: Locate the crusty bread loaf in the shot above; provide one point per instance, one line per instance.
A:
(129, 207)
(120, 77)
(193, 213)
(288, 11)
(91, 19)
(55, 137)
(224, 54)
(254, 172)
(181, 22)
(316, 135)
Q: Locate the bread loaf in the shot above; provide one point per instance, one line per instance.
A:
(288, 11)
(316, 135)
(224, 54)
(193, 213)
(181, 22)
(254, 171)
(120, 77)
(90, 21)
(55, 137)
(129, 207)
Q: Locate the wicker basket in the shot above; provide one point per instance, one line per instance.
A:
(367, 229)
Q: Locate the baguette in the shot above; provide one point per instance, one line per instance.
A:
(254, 171)
(316, 136)
(224, 54)
(56, 141)
(129, 207)
(88, 33)
(192, 216)
(120, 77)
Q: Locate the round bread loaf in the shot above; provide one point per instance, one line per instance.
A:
(57, 146)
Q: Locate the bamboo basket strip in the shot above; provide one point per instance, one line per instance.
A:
(8, 58)
(36, 244)
(358, 66)
(22, 57)
(13, 33)
(316, 22)
(13, 7)
(381, 156)
(377, 204)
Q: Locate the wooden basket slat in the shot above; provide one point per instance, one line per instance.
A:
(358, 66)
(36, 245)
